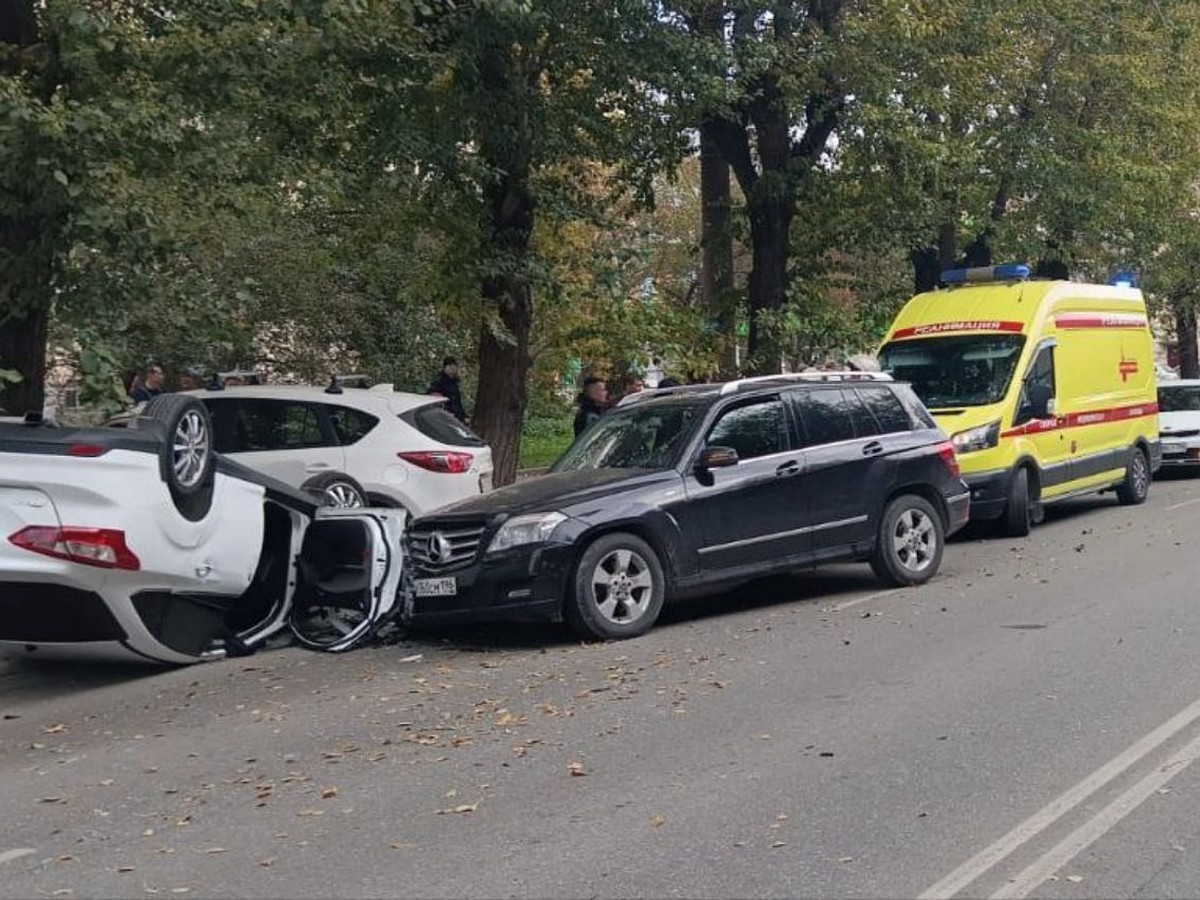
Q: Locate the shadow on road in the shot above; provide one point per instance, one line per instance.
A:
(31, 679)
(827, 585)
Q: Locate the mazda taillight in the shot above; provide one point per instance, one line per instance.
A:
(946, 451)
(87, 450)
(439, 460)
(101, 547)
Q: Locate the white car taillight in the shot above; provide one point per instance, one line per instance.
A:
(101, 547)
(439, 460)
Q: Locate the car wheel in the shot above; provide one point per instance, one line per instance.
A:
(619, 588)
(187, 458)
(908, 549)
(1020, 510)
(1136, 486)
(334, 489)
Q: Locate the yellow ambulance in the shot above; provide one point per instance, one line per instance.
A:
(1047, 388)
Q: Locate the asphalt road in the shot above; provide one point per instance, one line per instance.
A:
(1022, 726)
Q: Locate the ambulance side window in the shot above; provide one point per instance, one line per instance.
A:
(1038, 388)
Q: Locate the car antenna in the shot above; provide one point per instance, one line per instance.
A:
(335, 386)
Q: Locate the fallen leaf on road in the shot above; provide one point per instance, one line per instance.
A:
(149, 832)
(413, 658)
(125, 868)
(267, 863)
(106, 782)
(462, 808)
(54, 729)
(215, 850)
(846, 859)
(401, 845)
(1074, 879)
(576, 769)
(504, 717)
(329, 793)
(778, 844)
(51, 800)
(311, 812)
(657, 821)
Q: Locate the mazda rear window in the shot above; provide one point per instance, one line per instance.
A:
(434, 422)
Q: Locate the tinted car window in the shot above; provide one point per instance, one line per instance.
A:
(642, 436)
(757, 429)
(350, 425)
(434, 422)
(827, 416)
(887, 409)
(299, 427)
(255, 425)
(1178, 399)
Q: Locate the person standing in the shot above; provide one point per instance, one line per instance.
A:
(151, 386)
(189, 379)
(593, 401)
(446, 385)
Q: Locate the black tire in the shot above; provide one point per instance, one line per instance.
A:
(186, 459)
(1136, 485)
(908, 548)
(1020, 510)
(336, 490)
(619, 589)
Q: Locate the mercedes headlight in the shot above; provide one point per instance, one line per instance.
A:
(530, 529)
(980, 438)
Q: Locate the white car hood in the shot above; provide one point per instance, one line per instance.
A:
(1175, 422)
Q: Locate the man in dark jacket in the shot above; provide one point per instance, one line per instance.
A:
(446, 385)
(593, 401)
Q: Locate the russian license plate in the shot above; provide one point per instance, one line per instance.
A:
(435, 587)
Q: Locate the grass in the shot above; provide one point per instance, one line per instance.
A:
(544, 440)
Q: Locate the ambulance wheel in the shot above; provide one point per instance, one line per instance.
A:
(1136, 486)
(1019, 511)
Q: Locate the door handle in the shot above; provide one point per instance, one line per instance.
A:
(317, 467)
(787, 469)
(872, 448)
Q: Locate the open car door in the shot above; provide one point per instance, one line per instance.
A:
(348, 576)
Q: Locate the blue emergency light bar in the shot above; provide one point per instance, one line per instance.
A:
(1007, 272)
(1123, 278)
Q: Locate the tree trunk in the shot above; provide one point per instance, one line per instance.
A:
(27, 238)
(1185, 335)
(504, 359)
(770, 224)
(716, 248)
(929, 262)
(23, 338)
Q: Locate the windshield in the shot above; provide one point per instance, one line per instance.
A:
(1179, 398)
(640, 436)
(972, 370)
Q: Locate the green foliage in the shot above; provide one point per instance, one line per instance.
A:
(543, 440)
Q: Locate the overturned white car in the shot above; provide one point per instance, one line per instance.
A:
(142, 543)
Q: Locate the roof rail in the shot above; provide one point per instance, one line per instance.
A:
(648, 393)
(731, 387)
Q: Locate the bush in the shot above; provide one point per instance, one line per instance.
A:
(543, 439)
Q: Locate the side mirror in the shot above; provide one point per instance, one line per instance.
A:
(716, 458)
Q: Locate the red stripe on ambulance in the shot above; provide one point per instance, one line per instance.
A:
(1092, 417)
(972, 325)
(1099, 320)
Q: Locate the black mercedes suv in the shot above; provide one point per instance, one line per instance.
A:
(685, 490)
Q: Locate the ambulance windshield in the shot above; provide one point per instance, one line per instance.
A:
(950, 372)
